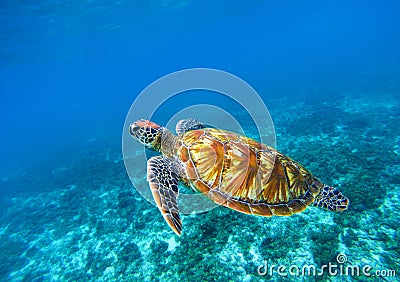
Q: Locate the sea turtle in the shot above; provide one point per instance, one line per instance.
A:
(232, 170)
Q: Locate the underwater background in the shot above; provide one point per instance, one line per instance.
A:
(328, 71)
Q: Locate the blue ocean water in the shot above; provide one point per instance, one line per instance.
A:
(328, 71)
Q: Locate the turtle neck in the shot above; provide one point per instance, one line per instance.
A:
(169, 143)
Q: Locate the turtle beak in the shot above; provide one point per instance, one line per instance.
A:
(133, 129)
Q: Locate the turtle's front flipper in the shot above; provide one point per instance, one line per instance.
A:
(331, 199)
(190, 124)
(164, 185)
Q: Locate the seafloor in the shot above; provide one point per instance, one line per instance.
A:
(81, 219)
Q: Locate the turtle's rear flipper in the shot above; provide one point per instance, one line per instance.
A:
(190, 124)
(331, 199)
(164, 186)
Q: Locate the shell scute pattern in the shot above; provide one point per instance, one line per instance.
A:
(242, 174)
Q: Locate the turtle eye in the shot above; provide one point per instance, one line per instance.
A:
(133, 129)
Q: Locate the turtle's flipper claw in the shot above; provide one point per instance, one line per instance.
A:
(174, 221)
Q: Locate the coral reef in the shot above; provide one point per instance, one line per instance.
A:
(84, 220)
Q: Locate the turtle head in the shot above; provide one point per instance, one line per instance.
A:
(148, 133)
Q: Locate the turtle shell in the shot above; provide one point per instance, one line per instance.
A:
(244, 175)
